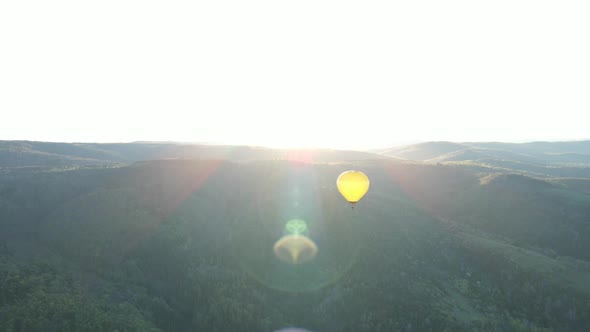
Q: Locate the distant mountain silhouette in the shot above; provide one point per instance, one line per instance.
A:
(536, 152)
(555, 159)
(179, 237)
(425, 151)
(30, 153)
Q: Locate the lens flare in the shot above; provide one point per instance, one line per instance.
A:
(296, 227)
(278, 252)
(295, 249)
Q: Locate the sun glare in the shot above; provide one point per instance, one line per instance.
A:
(293, 74)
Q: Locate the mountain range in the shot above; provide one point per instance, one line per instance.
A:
(179, 237)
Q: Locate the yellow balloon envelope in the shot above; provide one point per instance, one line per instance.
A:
(353, 185)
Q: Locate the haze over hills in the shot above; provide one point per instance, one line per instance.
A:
(294, 166)
(553, 159)
(30, 153)
(571, 152)
(176, 237)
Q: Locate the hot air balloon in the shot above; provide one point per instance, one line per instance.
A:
(353, 185)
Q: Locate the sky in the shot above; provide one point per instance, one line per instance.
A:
(341, 74)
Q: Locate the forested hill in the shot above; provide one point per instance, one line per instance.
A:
(572, 152)
(545, 159)
(48, 154)
(187, 245)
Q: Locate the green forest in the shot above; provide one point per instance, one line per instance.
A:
(168, 237)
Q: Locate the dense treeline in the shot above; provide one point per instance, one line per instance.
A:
(187, 245)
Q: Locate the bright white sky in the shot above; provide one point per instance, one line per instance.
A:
(294, 73)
